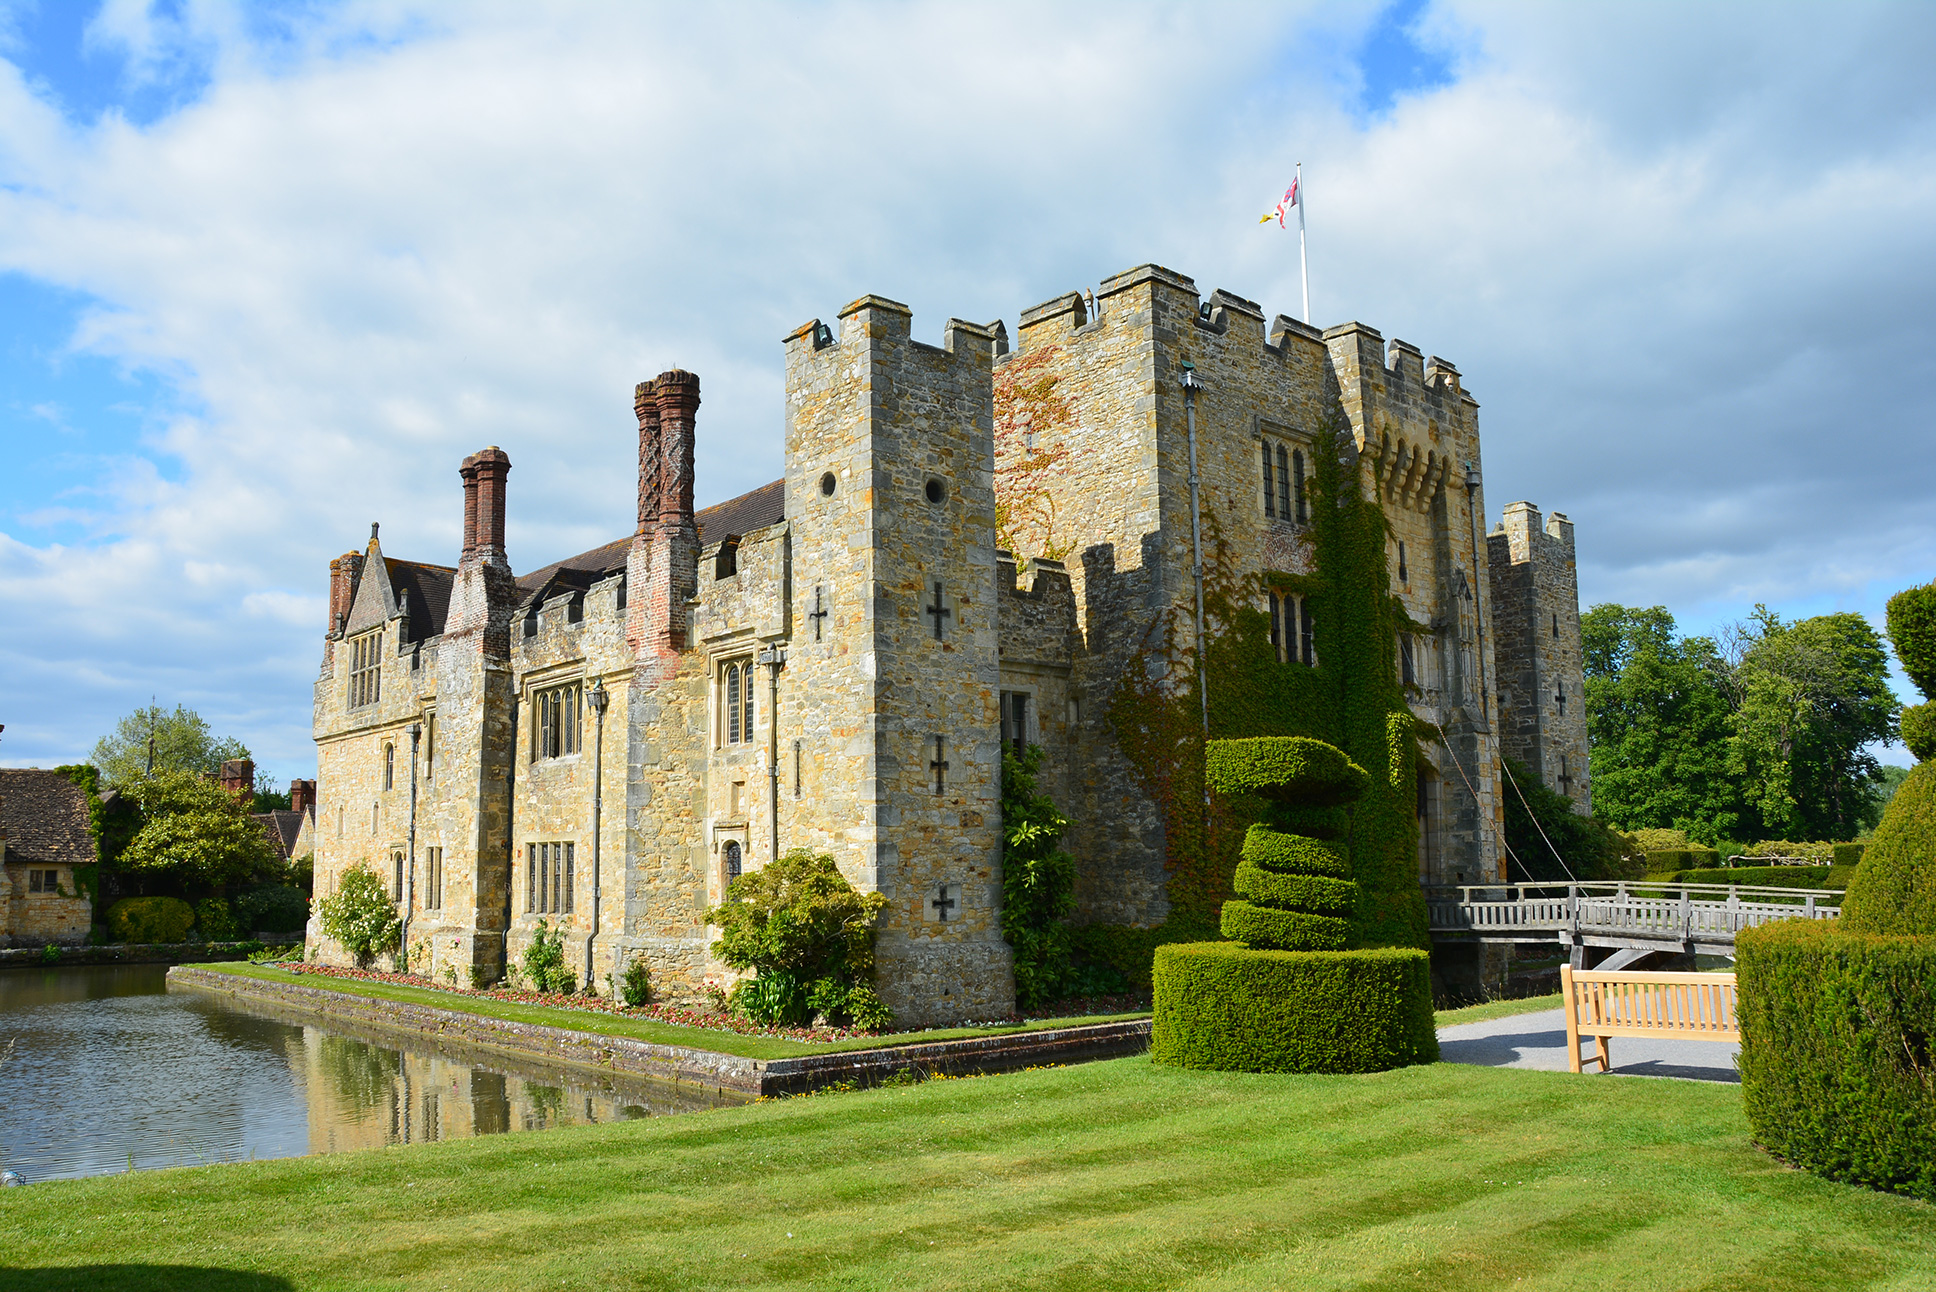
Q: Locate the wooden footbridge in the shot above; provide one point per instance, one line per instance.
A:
(1634, 920)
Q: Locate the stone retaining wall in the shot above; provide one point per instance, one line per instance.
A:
(681, 1063)
(132, 953)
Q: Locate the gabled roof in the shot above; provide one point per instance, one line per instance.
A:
(282, 826)
(44, 816)
(429, 594)
(763, 506)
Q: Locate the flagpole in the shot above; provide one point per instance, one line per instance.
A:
(1303, 261)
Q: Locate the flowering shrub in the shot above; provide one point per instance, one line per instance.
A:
(361, 916)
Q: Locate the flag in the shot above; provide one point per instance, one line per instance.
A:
(1289, 200)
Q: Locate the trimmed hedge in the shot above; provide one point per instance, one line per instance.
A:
(1919, 730)
(1894, 889)
(1671, 859)
(1837, 1070)
(1317, 894)
(1847, 854)
(1816, 877)
(1262, 926)
(1222, 1007)
(1293, 854)
(1288, 769)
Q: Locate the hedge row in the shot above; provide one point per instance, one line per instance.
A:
(1817, 877)
(1671, 859)
(1221, 1006)
(1837, 1069)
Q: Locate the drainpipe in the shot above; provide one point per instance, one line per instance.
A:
(510, 833)
(598, 697)
(410, 869)
(1191, 385)
(773, 657)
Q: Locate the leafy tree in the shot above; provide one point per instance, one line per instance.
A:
(1038, 883)
(1657, 724)
(809, 937)
(196, 832)
(1808, 697)
(182, 743)
(1587, 848)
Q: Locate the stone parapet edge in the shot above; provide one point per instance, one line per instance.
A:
(682, 1064)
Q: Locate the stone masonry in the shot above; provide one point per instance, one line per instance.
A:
(834, 661)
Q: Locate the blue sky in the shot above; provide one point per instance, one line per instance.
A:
(268, 271)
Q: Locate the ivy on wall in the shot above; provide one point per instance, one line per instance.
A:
(1351, 698)
(1029, 418)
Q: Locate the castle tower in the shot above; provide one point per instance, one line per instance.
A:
(1536, 618)
(892, 675)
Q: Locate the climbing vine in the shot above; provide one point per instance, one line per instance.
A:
(1038, 882)
(1029, 450)
(1351, 698)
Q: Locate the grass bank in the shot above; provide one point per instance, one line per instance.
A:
(599, 1023)
(1497, 1009)
(1116, 1175)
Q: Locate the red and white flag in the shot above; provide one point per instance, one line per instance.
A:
(1284, 204)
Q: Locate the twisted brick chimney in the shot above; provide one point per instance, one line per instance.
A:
(661, 573)
(302, 796)
(490, 469)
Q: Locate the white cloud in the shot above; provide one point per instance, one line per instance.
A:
(383, 239)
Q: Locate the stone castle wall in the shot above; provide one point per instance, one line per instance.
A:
(1536, 616)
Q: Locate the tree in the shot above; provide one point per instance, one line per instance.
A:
(1541, 822)
(1658, 726)
(1808, 697)
(809, 936)
(181, 740)
(195, 831)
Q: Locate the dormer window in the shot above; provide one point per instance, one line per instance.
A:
(366, 673)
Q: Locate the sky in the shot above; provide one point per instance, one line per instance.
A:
(269, 271)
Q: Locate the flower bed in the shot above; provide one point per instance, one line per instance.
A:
(688, 1016)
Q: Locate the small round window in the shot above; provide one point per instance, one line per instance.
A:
(827, 485)
(936, 491)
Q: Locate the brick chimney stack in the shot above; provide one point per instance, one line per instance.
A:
(302, 796)
(492, 466)
(468, 473)
(238, 778)
(662, 570)
(678, 397)
(645, 405)
(343, 574)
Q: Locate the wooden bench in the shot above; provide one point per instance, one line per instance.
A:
(1671, 1006)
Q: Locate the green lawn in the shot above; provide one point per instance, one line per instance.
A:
(599, 1023)
(1497, 1009)
(1116, 1175)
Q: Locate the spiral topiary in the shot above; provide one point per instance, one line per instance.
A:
(1295, 891)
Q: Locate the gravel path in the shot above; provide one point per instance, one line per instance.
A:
(1539, 1041)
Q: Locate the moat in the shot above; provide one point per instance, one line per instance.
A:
(111, 1071)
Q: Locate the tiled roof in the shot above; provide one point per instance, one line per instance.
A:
(283, 826)
(45, 818)
(764, 506)
(429, 588)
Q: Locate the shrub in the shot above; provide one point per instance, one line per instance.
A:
(1911, 618)
(634, 986)
(214, 921)
(1817, 852)
(1551, 842)
(1846, 854)
(1222, 1007)
(1816, 877)
(195, 831)
(1656, 840)
(1038, 883)
(1669, 860)
(1894, 889)
(1294, 891)
(544, 961)
(1293, 770)
(150, 919)
(1919, 730)
(794, 922)
(360, 915)
(1836, 1066)
(272, 908)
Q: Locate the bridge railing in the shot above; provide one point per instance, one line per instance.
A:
(1681, 911)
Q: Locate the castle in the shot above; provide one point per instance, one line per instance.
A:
(836, 660)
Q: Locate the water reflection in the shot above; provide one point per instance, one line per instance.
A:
(113, 1072)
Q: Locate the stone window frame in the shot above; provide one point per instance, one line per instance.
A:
(557, 710)
(735, 711)
(433, 894)
(1030, 725)
(550, 878)
(1293, 633)
(366, 669)
(44, 880)
(1283, 492)
(430, 746)
(389, 765)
